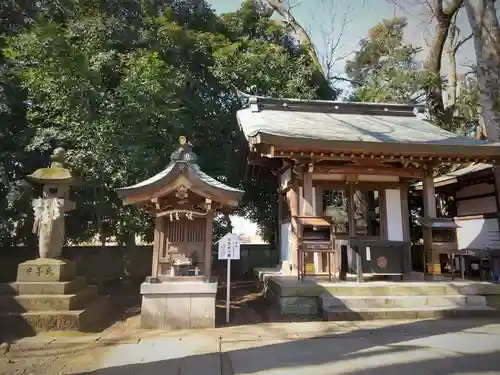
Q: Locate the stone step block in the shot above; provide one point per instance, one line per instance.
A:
(28, 323)
(391, 290)
(44, 269)
(48, 302)
(412, 288)
(448, 301)
(346, 314)
(43, 287)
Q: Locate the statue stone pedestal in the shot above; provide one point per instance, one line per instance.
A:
(46, 269)
(49, 296)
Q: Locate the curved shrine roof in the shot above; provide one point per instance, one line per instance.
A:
(183, 163)
(330, 125)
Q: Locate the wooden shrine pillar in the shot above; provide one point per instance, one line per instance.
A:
(429, 199)
(307, 193)
(208, 244)
(353, 249)
(158, 243)
(292, 197)
(318, 211)
(405, 221)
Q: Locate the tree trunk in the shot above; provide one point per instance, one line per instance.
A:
(432, 63)
(452, 59)
(484, 23)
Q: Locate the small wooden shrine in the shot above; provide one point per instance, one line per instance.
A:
(183, 200)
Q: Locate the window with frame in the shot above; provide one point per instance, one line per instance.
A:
(367, 213)
(335, 203)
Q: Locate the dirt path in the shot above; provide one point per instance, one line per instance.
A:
(61, 353)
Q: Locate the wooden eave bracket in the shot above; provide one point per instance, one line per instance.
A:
(298, 154)
(208, 204)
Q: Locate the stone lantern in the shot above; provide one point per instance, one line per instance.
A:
(48, 294)
(50, 208)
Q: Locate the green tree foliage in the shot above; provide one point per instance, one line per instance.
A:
(117, 82)
(384, 68)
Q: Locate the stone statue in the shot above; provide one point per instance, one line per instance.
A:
(49, 210)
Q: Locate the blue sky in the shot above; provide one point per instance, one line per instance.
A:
(316, 15)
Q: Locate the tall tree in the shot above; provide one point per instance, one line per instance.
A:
(443, 13)
(384, 68)
(117, 82)
(486, 31)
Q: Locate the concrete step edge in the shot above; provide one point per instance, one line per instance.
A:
(89, 289)
(93, 303)
(434, 299)
(396, 309)
(397, 296)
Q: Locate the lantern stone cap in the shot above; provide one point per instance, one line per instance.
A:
(56, 174)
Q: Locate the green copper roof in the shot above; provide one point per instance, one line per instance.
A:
(343, 121)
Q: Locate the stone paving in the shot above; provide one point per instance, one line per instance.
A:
(456, 346)
(430, 347)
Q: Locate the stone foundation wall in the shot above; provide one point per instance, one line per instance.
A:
(301, 305)
(116, 262)
(92, 262)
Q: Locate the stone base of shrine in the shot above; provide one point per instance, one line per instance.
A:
(382, 299)
(178, 304)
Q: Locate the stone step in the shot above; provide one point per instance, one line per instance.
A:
(43, 287)
(28, 323)
(409, 289)
(449, 301)
(48, 302)
(346, 314)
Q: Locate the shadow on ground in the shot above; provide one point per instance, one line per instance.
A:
(398, 349)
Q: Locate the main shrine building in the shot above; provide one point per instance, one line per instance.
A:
(344, 170)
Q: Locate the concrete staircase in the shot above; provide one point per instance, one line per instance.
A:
(64, 303)
(404, 301)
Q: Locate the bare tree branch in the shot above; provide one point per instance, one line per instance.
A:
(283, 8)
(464, 40)
(332, 37)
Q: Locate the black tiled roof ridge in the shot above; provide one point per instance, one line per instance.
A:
(260, 103)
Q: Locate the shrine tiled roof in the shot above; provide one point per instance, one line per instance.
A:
(183, 163)
(343, 121)
(160, 177)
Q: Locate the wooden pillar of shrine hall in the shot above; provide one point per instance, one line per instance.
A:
(184, 202)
